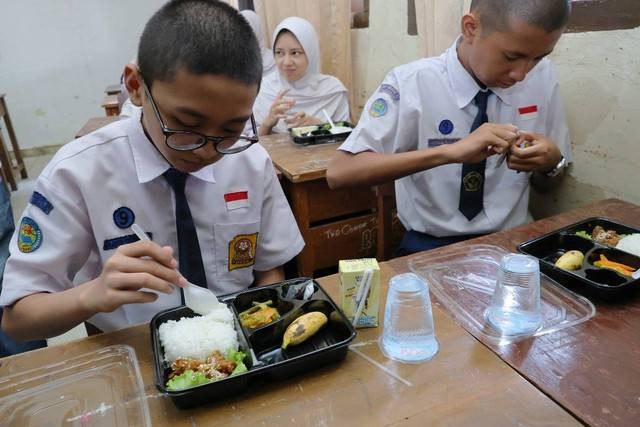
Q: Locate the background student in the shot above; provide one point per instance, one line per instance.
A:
(297, 93)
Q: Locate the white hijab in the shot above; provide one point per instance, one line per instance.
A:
(313, 92)
(268, 64)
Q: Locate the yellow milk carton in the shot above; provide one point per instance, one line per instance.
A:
(351, 275)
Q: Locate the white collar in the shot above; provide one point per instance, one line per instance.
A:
(464, 85)
(148, 161)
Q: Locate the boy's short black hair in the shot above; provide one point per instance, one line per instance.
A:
(495, 15)
(202, 36)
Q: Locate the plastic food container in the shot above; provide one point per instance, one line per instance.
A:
(589, 280)
(463, 281)
(101, 388)
(264, 357)
(318, 134)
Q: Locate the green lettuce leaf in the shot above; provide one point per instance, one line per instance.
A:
(186, 380)
(584, 234)
(238, 357)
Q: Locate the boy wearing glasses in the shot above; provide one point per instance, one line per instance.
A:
(181, 168)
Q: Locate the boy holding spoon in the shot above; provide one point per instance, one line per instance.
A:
(181, 168)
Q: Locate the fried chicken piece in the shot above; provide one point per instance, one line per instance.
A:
(220, 363)
(182, 364)
(607, 237)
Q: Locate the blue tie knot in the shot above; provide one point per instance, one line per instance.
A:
(176, 179)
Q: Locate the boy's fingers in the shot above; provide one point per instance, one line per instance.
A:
(163, 255)
(138, 265)
(136, 297)
(139, 280)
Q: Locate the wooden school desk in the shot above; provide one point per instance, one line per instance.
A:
(95, 123)
(593, 369)
(335, 225)
(113, 89)
(464, 384)
(111, 105)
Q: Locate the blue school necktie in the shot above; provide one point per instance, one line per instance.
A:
(472, 182)
(189, 255)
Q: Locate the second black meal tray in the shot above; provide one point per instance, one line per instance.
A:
(588, 280)
(329, 345)
(318, 134)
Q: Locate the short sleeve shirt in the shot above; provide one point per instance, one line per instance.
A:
(429, 102)
(95, 187)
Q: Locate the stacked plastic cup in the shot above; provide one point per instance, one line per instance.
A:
(515, 305)
(408, 333)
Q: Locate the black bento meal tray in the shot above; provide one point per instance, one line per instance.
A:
(319, 134)
(589, 279)
(328, 345)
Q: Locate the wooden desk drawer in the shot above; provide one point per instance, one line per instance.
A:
(346, 239)
(325, 203)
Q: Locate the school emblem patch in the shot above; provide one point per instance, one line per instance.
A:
(445, 127)
(379, 108)
(30, 235)
(472, 181)
(242, 251)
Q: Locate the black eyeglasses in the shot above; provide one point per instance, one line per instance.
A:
(183, 140)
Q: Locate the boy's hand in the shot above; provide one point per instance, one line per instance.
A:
(533, 152)
(278, 109)
(132, 267)
(487, 140)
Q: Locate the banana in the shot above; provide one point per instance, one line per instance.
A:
(303, 328)
(571, 260)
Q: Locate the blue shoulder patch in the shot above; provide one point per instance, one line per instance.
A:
(111, 244)
(391, 91)
(29, 236)
(38, 200)
(124, 217)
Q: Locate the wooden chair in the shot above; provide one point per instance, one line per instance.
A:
(111, 105)
(9, 167)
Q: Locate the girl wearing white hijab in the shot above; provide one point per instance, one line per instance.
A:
(297, 54)
(268, 64)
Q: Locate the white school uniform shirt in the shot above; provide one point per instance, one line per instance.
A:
(96, 186)
(429, 102)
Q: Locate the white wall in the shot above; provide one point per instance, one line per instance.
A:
(600, 81)
(56, 58)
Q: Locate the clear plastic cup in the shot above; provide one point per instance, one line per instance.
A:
(408, 333)
(515, 305)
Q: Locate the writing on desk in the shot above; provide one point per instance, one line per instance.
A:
(366, 229)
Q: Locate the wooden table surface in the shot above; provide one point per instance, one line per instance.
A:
(593, 369)
(464, 384)
(298, 163)
(95, 123)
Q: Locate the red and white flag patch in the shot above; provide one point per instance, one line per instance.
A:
(236, 200)
(528, 113)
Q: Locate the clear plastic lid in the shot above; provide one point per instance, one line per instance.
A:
(101, 388)
(463, 281)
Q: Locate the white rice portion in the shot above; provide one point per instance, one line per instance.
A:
(630, 244)
(198, 337)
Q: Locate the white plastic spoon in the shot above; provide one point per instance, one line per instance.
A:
(335, 129)
(200, 300)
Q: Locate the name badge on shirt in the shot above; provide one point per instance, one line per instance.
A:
(236, 200)
(528, 113)
(436, 142)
